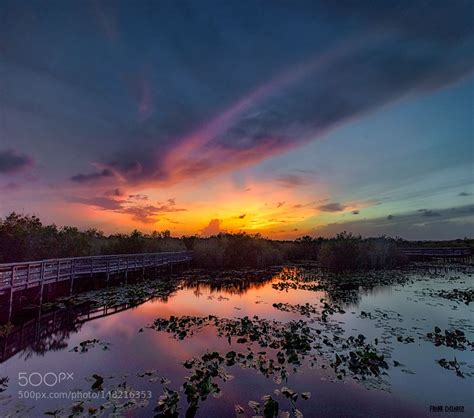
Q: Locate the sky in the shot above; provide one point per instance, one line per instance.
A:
(276, 117)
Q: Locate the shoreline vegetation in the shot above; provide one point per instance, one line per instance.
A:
(25, 238)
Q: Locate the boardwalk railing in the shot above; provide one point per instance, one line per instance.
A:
(435, 252)
(25, 275)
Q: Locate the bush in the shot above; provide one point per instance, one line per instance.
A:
(209, 253)
(347, 252)
(340, 254)
(236, 251)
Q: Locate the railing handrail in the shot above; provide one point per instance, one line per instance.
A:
(434, 248)
(105, 256)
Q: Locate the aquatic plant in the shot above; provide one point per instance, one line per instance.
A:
(85, 346)
(451, 338)
(4, 383)
(167, 406)
(465, 296)
(453, 365)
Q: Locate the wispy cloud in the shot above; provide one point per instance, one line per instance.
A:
(92, 177)
(360, 75)
(144, 213)
(293, 180)
(332, 207)
(428, 212)
(99, 202)
(12, 162)
(445, 224)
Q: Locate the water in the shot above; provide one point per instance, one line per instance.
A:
(408, 390)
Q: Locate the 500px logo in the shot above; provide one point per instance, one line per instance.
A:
(49, 379)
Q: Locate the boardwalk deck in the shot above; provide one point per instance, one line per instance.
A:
(26, 275)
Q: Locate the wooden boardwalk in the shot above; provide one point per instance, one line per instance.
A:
(26, 275)
(438, 252)
(38, 274)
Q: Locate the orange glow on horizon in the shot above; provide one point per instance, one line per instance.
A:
(261, 206)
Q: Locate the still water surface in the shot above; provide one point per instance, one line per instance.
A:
(399, 310)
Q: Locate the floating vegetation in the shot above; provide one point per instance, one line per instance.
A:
(118, 401)
(98, 382)
(86, 345)
(168, 404)
(239, 409)
(261, 362)
(366, 361)
(361, 359)
(452, 365)
(202, 381)
(4, 383)
(269, 409)
(330, 309)
(405, 340)
(308, 309)
(384, 315)
(153, 377)
(293, 337)
(182, 326)
(465, 296)
(292, 342)
(450, 338)
(127, 294)
(292, 397)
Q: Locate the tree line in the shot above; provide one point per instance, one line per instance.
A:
(25, 238)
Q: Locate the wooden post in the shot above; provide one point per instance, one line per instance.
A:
(126, 271)
(143, 266)
(12, 277)
(108, 271)
(42, 282)
(71, 288)
(10, 306)
(28, 275)
(59, 269)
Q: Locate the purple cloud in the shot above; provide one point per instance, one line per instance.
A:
(12, 162)
(92, 177)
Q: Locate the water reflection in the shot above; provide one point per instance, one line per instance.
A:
(48, 328)
(43, 339)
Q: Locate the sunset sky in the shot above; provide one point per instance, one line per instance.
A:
(279, 117)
